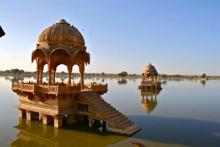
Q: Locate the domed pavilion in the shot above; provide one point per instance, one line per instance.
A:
(150, 79)
(59, 44)
(58, 103)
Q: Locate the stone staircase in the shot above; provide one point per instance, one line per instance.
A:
(117, 122)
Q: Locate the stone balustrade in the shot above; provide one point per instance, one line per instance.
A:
(149, 82)
(59, 88)
(27, 87)
(99, 87)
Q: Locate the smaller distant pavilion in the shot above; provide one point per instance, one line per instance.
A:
(150, 80)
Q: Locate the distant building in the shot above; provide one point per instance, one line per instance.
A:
(150, 80)
(150, 87)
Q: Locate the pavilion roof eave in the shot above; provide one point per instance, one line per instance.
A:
(36, 51)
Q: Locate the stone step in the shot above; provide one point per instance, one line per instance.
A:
(96, 105)
(132, 129)
(108, 111)
(124, 131)
(111, 114)
(118, 118)
(117, 121)
(121, 125)
(124, 124)
(100, 101)
(103, 108)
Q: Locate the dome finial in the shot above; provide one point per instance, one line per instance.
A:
(63, 21)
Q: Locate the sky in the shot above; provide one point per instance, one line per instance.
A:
(176, 36)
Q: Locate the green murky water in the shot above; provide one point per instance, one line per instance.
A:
(185, 113)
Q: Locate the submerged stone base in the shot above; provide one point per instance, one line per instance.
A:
(69, 108)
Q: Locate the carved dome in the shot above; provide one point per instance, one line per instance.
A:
(150, 70)
(61, 43)
(62, 33)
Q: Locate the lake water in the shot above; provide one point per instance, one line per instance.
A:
(185, 113)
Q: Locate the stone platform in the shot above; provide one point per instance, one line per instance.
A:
(52, 104)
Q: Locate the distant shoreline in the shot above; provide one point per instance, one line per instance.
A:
(111, 75)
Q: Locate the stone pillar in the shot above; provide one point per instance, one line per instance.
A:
(45, 120)
(54, 75)
(41, 70)
(81, 70)
(38, 72)
(28, 115)
(58, 121)
(69, 68)
(49, 73)
(20, 113)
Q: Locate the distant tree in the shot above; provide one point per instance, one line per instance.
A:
(132, 74)
(203, 76)
(123, 74)
(16, 71)
(102, 73)
(122, 81)
(164, 75)
(62, 72)
(7, 71)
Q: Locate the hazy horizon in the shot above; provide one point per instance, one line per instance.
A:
(177, 37)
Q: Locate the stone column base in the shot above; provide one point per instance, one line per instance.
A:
(45, 120)
(28, 115)
(58, 121)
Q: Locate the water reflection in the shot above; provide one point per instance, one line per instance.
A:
(149, 100)
(15, 78)
(188, 132)
(35, 134)
(163, 82)
(203, 82)
(122, 82)
(186, 113)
